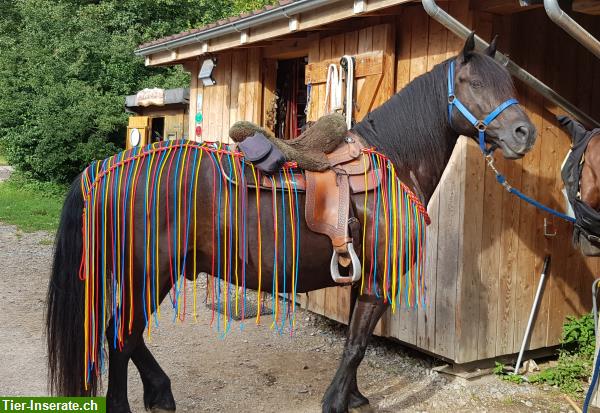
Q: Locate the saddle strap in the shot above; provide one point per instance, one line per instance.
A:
(328, 207)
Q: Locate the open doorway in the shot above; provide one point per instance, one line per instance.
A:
(290, 115)
(157, 132)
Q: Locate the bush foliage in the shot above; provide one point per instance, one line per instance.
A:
(575, 359)
(66, 66)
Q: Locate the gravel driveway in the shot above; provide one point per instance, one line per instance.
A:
(251, 371)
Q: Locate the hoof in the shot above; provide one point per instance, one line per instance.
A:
(159, 410)
(365, 408)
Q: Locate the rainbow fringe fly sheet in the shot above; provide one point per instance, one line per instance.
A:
(112, 187)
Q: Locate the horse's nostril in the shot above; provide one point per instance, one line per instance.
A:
(522, 132)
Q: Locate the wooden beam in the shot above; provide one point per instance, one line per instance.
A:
(325, 15)
(294, 23)
(501, 6)
(360, 6)
(586, 6)
(366, 64)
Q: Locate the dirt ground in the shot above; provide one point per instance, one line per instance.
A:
(255, 370)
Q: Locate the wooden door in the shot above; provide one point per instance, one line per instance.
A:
(137, 131)
(373, 49)
(174, 125)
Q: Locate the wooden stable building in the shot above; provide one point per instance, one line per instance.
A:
(485, 247)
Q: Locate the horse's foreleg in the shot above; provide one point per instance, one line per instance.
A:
(157, 385)
(343, 389)
(356, 398)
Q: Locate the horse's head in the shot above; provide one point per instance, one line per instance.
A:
(484, 87)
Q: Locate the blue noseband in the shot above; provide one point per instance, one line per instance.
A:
(480, 125)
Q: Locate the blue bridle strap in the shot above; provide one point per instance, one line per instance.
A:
(481, 126)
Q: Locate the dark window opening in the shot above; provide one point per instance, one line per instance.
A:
(157, 133)
(290, 116)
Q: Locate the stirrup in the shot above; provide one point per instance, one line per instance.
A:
(356, 267)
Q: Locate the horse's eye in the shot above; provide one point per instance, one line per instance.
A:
(476, 84)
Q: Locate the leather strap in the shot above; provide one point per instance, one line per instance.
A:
(328, 206)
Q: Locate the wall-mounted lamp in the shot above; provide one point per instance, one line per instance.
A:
(205, 73)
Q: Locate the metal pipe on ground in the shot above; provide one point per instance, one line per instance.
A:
(533, 312)
(459, 29)
(565, 22)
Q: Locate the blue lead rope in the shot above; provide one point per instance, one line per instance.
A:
(502, 181)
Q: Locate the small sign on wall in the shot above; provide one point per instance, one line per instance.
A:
(150, 97)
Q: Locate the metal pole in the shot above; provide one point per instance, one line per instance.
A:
(459, 29)
(534, 306)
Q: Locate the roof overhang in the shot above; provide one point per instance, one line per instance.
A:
(297, 16)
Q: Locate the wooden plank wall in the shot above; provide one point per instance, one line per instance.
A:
(485, 247)
(512, 244)
(237, 95)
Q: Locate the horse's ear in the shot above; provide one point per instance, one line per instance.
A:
(469, 47)
(491, 49)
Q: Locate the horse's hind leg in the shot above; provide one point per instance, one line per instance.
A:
(343, 388)
(116, 395)
(157, 385)
(356, 398)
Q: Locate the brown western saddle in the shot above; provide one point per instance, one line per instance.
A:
(328, 209)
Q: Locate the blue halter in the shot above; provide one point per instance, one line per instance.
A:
(480, 125)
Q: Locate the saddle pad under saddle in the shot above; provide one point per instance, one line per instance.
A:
(285, 180)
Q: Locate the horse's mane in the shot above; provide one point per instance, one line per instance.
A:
(412, 126)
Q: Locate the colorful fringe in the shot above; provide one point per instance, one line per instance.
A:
(110, 188)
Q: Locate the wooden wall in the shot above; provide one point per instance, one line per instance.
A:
(485, 247)
(504, 242)
(237, 94)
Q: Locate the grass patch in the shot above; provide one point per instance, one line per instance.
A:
(31, 205)
(575, 359)
(3, 161)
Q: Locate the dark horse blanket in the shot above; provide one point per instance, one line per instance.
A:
(587, 224)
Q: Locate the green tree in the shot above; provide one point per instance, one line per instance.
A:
(65, 67)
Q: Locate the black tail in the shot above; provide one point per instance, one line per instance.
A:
(65, 311)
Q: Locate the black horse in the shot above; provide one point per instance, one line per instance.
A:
(414, 129)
